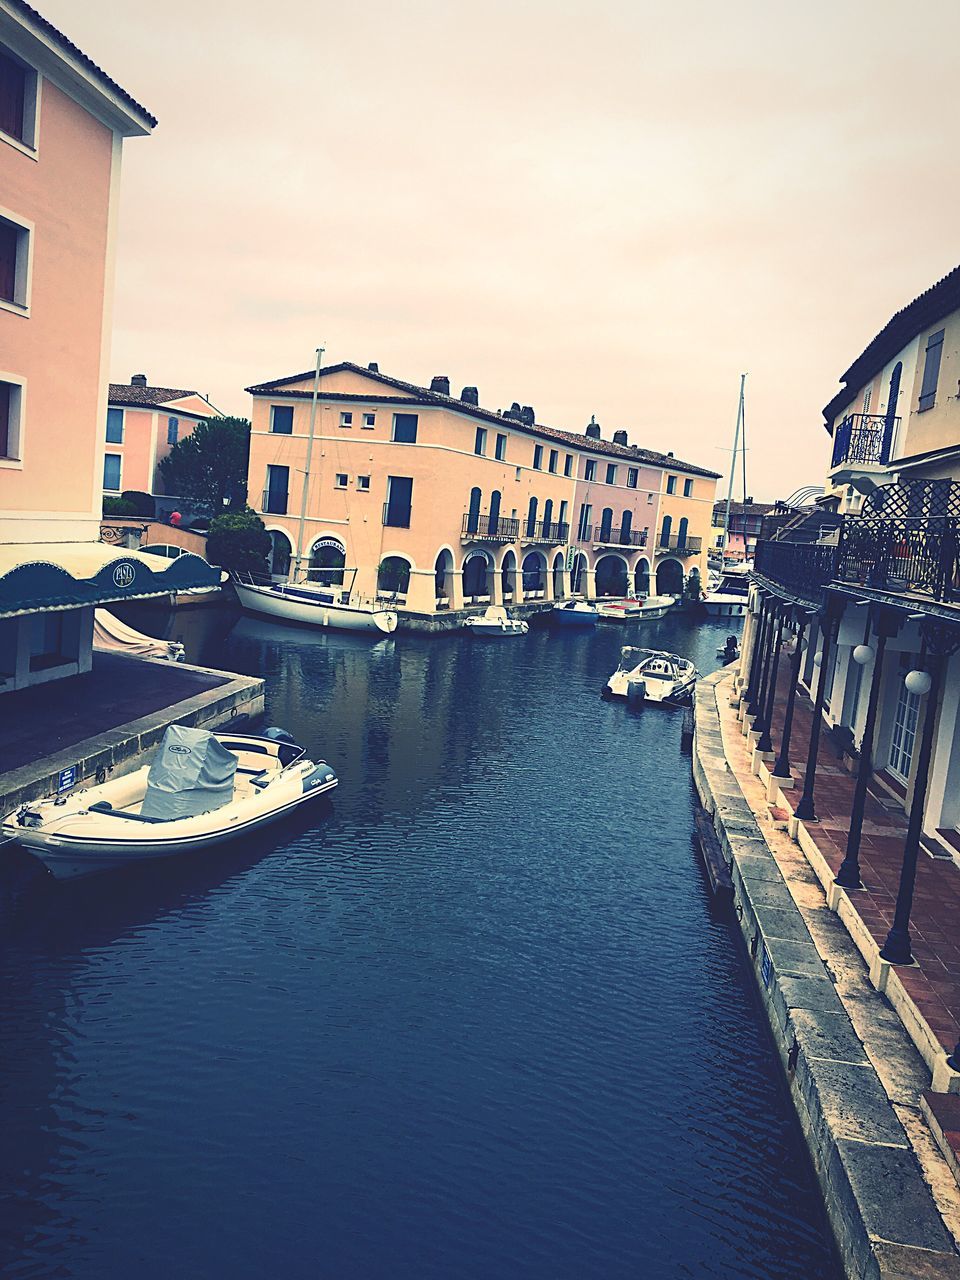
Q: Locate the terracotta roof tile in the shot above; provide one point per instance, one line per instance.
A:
(124, 394)
(422, 395)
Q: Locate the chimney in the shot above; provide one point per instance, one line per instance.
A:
(527, 416)
(373, 367)
(470, 395)
(440, 385)
(513, 412)
(593, 428)
(620, 437)
(670, 454)
(138, 380)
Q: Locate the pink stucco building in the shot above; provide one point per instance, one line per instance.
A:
(143, 424)
(415, 491)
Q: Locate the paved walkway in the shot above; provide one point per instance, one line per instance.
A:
(933, 983)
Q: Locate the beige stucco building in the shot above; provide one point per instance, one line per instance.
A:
(431, 498)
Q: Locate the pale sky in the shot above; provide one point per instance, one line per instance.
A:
(605, 207)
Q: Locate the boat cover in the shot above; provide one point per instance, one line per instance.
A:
(191, 773)
(110, 635)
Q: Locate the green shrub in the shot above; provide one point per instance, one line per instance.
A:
(118, 507)
(238, 540)
(143, 503)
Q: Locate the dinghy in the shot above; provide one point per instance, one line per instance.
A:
(575, 613)
(650, 675)
(495, 622)
(200, 789)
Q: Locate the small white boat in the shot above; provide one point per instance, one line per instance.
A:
(649, 675)
(633, 608)
(312, 605)
(110, 635)
(729, 597)
(200, 789)
(495, 622)
(574, 613)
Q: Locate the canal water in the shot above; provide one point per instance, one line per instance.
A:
(476, 1019)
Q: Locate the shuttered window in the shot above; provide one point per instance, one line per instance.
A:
(5, 432)
(9, 241)
(13, 91)
(931, 370)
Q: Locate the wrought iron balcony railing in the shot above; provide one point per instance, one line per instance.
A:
(914, 555)
(489, 528)
(803, 568)
(274, 502)
(545, 531)
(864, 438)
(683, 544)
(619, 537)
(395, 517)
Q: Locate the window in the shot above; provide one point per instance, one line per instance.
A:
(114, 426)
(480, 441)
(363, 484)
(611, 473)
(173, 430)
(867, 395)
(687, 488)
(650, 496)
(111, 472)
(531, 518)
(14, 263)
(369, 420)
(590, 471)
(405, 428)
(554, 462)
(632, 477)
(341, 480)
(904, 731)
(281, 419)
(346, 418)
(562, 516)
(11, 401)
(501, 447)
(397, 508)
(671, 484)
(18, 100)
(538, 457)
(275, 494)
(568, 465)
(583, 527)
(931, 371)
(665, 531)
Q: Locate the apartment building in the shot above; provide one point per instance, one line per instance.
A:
(143, 425)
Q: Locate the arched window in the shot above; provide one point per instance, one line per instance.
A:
(532, 518)
(682, 532)
(547, 515)
(279, 554)
(393, 576)
(890, 420)
(327, 559)
(606, 523)
(626, 526)
(665, 531)
(473, 514)
(494, 513)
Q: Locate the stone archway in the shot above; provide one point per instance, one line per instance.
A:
(669, 578)
(508, 575)
(281, 551)
(610, 576)
(534, 569)
(558, 568)
(443, 576)
(476, 575)
(641, 577)
(327, 560)
(393, 576)
(578, 574)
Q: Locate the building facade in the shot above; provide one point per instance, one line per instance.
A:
(439, 503)
(143, 425)
(742, 531)
(62, 125)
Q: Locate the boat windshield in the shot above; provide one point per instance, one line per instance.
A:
(733, 585)
(631, 657)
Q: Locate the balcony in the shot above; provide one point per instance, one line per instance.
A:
(603, 537)
(862, 443)
(803, 569)
(910, 555)
(680, 544)
(545, 531)
(478, 528)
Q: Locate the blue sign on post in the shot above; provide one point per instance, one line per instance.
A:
(765, 966)
(67, 778)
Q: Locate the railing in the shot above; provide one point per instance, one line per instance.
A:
(278, 501)
(127, 535)
(545, 531)
(684, 544)
(910, 554)
(864, 438)
(803, 568)
(490, 528)
(396, 517)
(621, 537)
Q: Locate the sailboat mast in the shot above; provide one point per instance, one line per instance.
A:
(306, 469)
(733, 471)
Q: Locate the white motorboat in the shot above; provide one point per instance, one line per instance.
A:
(649, 675)
(312, 605)
(495, 622)
(634, 608)
(729, 597)
(110, 635)
(574, 613)
(200, 789)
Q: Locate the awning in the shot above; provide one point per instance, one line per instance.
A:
(39, 577)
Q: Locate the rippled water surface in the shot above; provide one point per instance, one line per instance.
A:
(476, 1019)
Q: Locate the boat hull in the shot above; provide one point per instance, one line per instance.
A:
(309, 613)
(573, 618)
(724, 607)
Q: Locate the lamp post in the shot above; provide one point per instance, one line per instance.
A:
(940, 641)
(887, 625)
(831, 614)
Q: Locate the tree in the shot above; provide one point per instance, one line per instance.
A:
(210, 464)
(238, 540)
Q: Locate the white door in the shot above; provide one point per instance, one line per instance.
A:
(904, 733)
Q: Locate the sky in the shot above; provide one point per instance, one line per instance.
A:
(593, 208)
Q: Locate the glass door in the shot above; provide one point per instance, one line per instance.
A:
(904, 732)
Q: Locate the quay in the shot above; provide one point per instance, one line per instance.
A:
(857, 1081)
